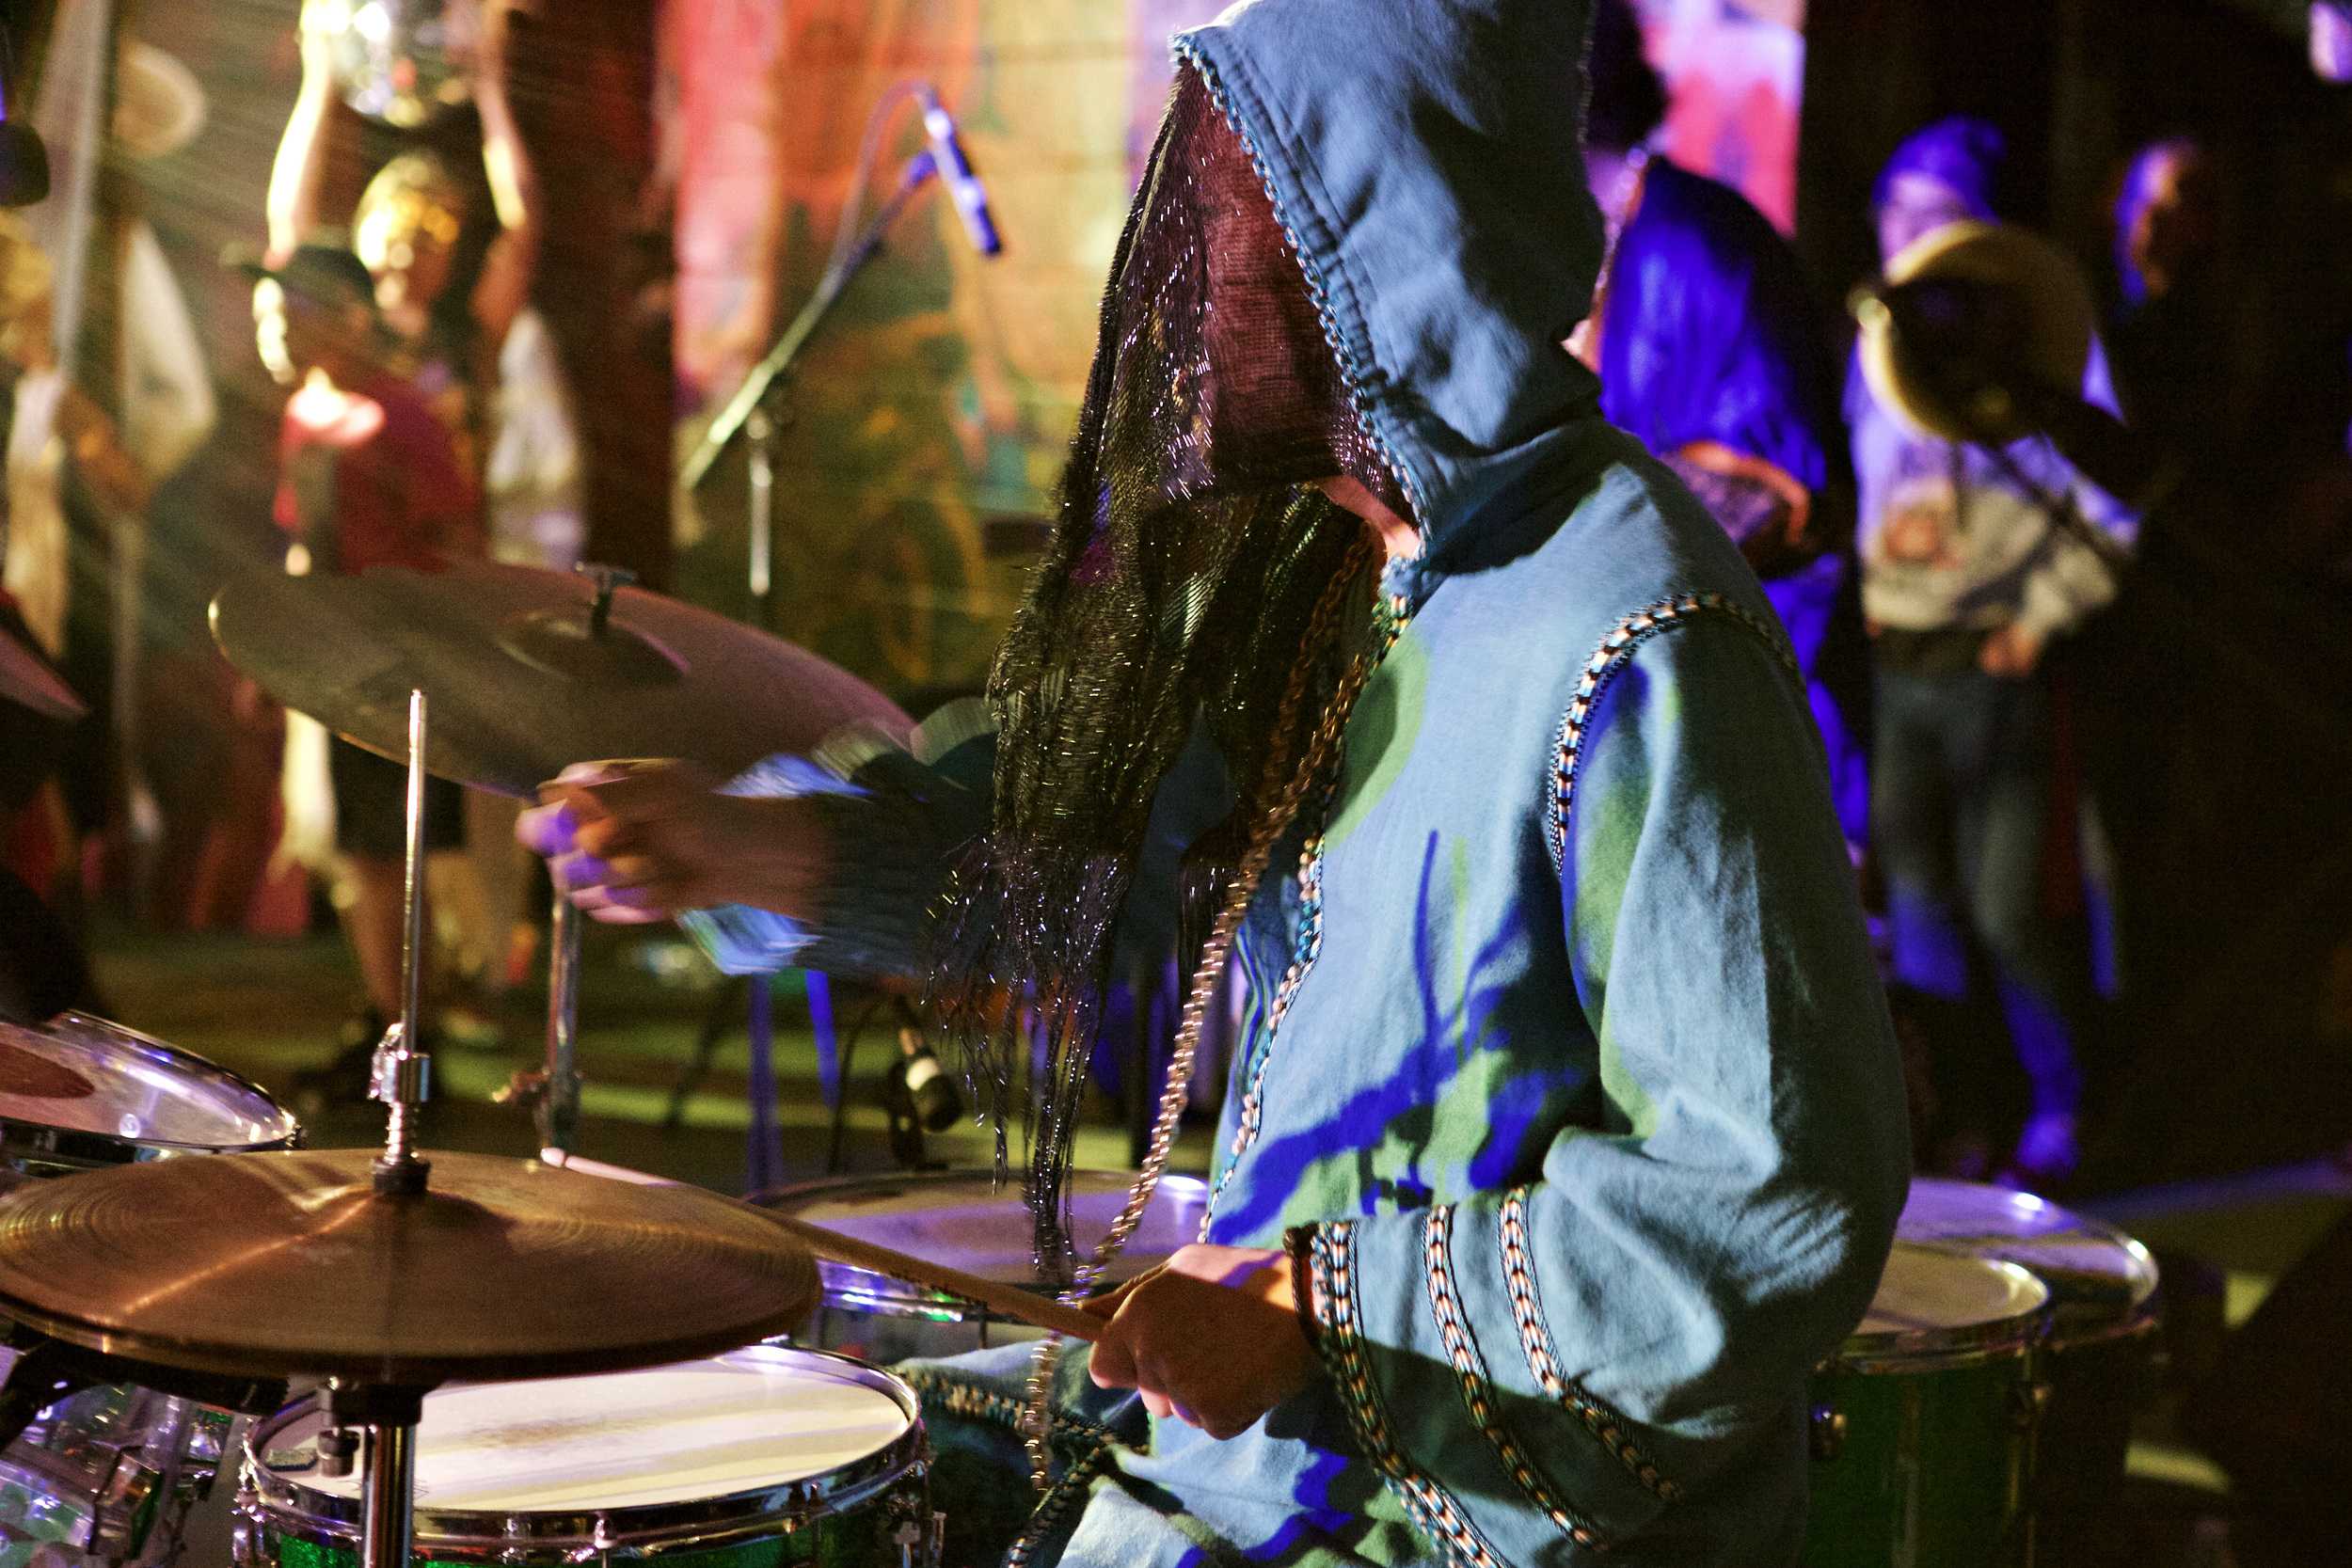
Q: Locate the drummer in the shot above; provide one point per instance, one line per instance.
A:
(367, 477)
(1568, 1133)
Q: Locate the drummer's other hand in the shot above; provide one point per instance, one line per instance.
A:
(636, 842)
(1212, 1337)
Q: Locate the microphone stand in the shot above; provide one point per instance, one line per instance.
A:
(748, 414)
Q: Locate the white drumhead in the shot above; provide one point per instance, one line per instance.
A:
(694, 1430)
(2088, 1266)
(963, 1219)
(85, 1075)
(1926, 1292)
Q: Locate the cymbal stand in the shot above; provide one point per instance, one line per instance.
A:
(402, 1072)
(387, 1420)
(402, 1075)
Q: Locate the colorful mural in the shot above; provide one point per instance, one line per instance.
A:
(929, 419)
(1735, 70)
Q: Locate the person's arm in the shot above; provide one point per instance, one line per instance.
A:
(832, 862)
(291, 205)
(1576, 1353)
(505, 286)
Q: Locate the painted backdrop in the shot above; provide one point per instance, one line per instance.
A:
(928, 421)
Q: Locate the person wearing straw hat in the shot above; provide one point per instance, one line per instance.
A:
(1982, 544)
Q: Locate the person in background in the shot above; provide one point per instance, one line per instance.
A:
(1712, 350)
(57, 437)
(367, 477)
(457, 308)
(1970, 572)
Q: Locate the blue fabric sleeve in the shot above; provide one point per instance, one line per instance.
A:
(894, 824)
(1640, 1319)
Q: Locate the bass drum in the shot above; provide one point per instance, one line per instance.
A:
(2098, 1359)
(768, 1457)
(965, 1219)
(110, 1474)
(1923, 1423)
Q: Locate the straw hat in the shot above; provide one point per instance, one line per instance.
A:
(1976, 287)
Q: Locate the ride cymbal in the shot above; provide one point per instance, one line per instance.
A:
(526, 676)
(284, 1263)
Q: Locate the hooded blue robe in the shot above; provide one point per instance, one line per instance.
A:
(1566, 1041)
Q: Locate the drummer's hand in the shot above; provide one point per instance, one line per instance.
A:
(1211, 1337)
(637, 842)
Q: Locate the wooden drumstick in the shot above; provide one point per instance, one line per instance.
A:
(1009, 1301)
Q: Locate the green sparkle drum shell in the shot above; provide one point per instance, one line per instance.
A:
(1923, 1423)
(768, 1457)
(2099, 1358)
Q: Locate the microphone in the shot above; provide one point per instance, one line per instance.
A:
(964, 187)
(920, 1087)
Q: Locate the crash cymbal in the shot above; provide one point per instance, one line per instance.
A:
(287, 1263)
(524, 677)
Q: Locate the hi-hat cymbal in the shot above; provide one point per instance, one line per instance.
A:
(522, 681)
(287, 1263)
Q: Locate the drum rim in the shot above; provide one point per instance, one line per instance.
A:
(870, 1293)
(277, 1502)
(2120, 1319)
(20, 1134)
(1953, 1345)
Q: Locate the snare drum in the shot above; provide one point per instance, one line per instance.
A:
(1923, 1423)
(100, 1471)
(2099, 1355)
(965, 1219)
(79, 1093)
(762, 1458)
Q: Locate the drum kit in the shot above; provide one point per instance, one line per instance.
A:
(1978, 1417)
(398, 1346)
(173, 1262)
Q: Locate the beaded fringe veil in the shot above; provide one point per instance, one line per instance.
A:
(1188, 560)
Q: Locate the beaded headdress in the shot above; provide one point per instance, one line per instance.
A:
(1189, 557)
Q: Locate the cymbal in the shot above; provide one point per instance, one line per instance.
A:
(285, 1264)
(521, 684)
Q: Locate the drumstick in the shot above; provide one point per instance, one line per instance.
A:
(1008, 1301)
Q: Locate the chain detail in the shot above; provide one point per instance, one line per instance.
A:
(1307, 945)
(1211, 969)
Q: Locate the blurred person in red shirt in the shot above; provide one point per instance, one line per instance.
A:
(368, 477)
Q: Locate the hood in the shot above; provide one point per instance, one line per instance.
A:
(1425, 158)
(1970, 156)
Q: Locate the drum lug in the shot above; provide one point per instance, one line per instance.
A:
(244, 1534)
(120, 1511)
(2033, 1403)
(338, 1449)
(1828, 1431)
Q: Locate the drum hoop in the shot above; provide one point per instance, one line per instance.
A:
(851, 1288)
(80, 1147)
(2146, 1281)
(306, 1512)
(1953, 1345)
